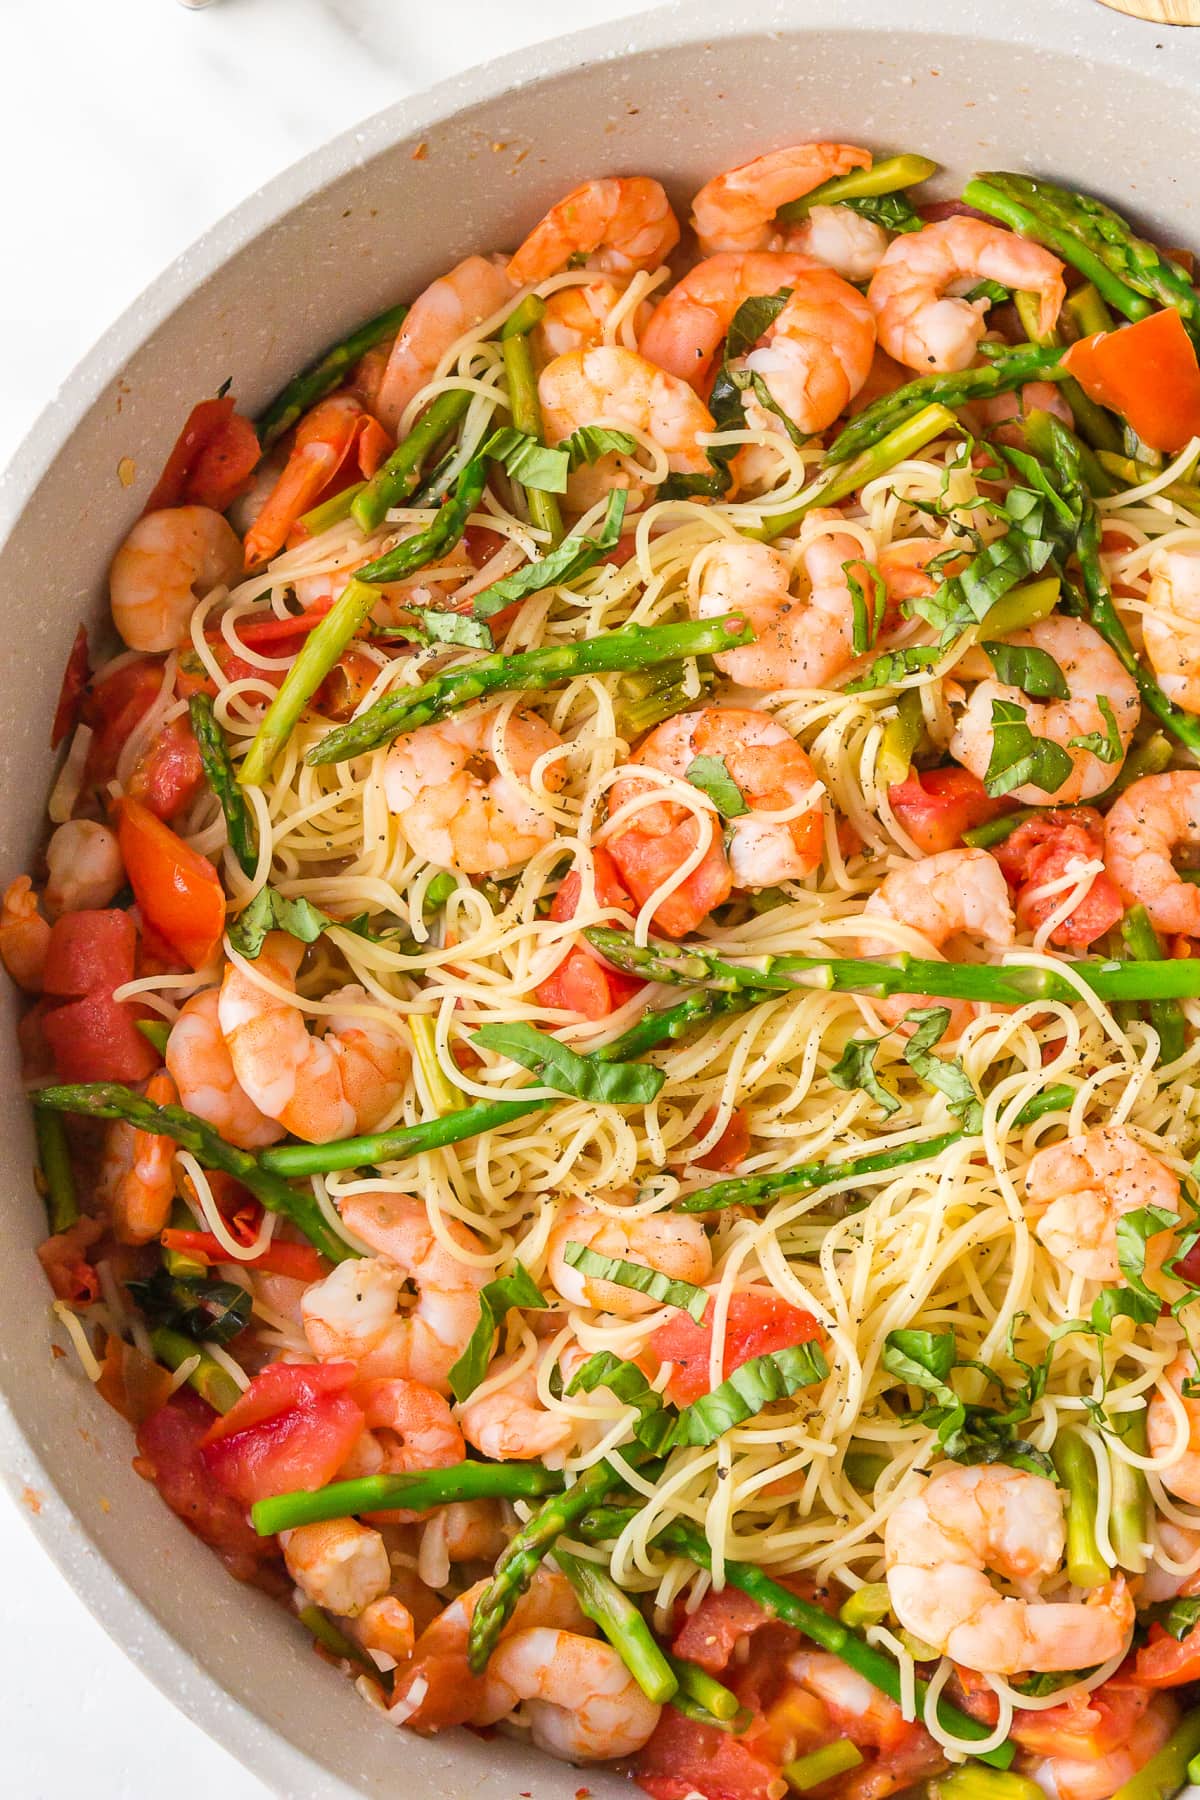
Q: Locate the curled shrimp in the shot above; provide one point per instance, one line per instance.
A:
(136, 1183)
(318, 1088)
(1182, 1476)
(675, 1244)
(940, 1545)
(24, 934)
(1092, 672)
(83, 860)
(169, 562)
(773, 776)
(1153, 817)
(353, 1314)
(460, 789)
(842, 239)
(511, 1423)
(575, 319)
(952, 895)
(324, 439)
(921, 324)
(408, 1426)
(736, 210)
(620, 225)
(1099, 1777)
(448, 309)
(813, 357)
(1078, 1189)
(340, 1564)
(581, 1702)
(200, 1065)
(1171, 625)
(622, 388)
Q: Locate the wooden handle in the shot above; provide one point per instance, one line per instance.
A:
(1159, 12)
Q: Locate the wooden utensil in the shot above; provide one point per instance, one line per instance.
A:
(1159, 12)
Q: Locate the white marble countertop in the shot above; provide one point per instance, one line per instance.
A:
(151, 121)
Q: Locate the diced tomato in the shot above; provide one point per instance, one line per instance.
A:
(646, 861)
(683, 1758)
(1088, 1728)
(1166, 1662)
(1148, 373)
(177, 889)
(89, 950)
(169, 1443)
(167, 778)
(710, 1635)
(293, 1428)
(299, 1261)
(212, 459)
(132, 1384)
(936, 806)
(96, 1039)
(70, 694)
(610, 889)
(756, 1324)
(1039, 851)
(65, 1260)
(582, 982)
(113, 709)
(793, 1723)
(731, 1147)
(191, 677)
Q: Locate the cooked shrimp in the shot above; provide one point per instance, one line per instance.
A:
(769, 769)
(318, 1088)
(1171, 625)
(1153, 817)
(736, 210)
(620, 225)
(941, 1543)
(24, 935)
(841, 239)
(920, 323)
(1100, 1777)
(575, 318)
(581, 1702)
(1182, 1477)
(340, 1564)
(813, 357)
(676, 1244)
(458, 805)
(169, 562)
(448, 309)
(1092, 671)
(324, 439)
(200, 1065)
(1182, 1545)
(136, 1183)
(353, 1315)
(611, 386)
(953, 894)
(512, 1424)
(386, 1630)
(85, 867)
(408, 1426)
(1078, 1189)
(473, 1530)
(855, 1706)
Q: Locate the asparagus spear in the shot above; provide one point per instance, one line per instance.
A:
(1040, 433)
(449, 523)
(526, 412)
(697, 1684)
(1077, 1473)
(1166, 1016)
(1164, 1775)
(654, 1028)
(901, 440)
(1131, 273)
(645, 699)
(321, 650)
(336, 1642)
(444, 1096)
(1086, 313)
(110, 1100)
(807, 1772)
(901, 736)
(1131, 473)
(331, 512)
(222, 779)
(621, 1621)
(322, 376)
(1129, 1509)
(420, 1490)
(1095, 424)
(1028, 362)
(208, 1378)
(1006, 984)
(973, 1783)
(631, 647)
(399, 476)
(885, 177)
(54, 1165)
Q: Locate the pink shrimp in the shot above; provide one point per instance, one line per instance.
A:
(199, 1061)
(324, 438)
(736, 210)
(24, 935)
(450, 307)
(619, 225)
(136, 1183)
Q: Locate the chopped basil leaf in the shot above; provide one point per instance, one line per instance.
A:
(711, 775)
(559, 1067)
(1020, 759)
(868, 620)
(855, 1068)
(454, 628)
(968, 1433)
(639, 1276)
(591, 442)
(742, 1396)
(1182, 1616)
(893, 665)
(272, 911)
(752, 320)
(1034, 671)
(946, 1074)
(1105, 745)
(527, 461)
(206, 1311)
(495, 1299)
(626, 1382)
(895, 212)
(564, 564)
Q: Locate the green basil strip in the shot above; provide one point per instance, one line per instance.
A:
(527, 461)
(855, 1069)
(591, 442)
(1105, 745)
(946, 1074)
(711, 775)
(558, 1066)
(639, 1276)
(442, 627)
(1034, 671)
(517, 1289)
(1019, 758)
(625, 1381)
(272, 911)
(743, 1395)
(572, 558)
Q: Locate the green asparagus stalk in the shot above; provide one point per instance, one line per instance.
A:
(444, 1096)
(901, 736)
(1094, 423)
(110, 1100)
(156, 1032)
(1086, 313)
(863, 1469)
(1163, 1776)
(1131, 473)
(631, 647)
(522, 319)
(1021, 607)
(418, 1491)
(526, 412)
(1131, 273)
(901, 441)
(222, 779)
(449, 523)
(54, 1166)
(322, 376)
(665, 1026)
(867, 1605)
(213, 1383)
(973, 1783)
(321, 651)
(995, 831)
(622, 1623)
(698, 1685)
(645, 699)
(179, 1262)
(400, 475)
(1166, 1016)
(885, 177)
(323, 1629)
(1129, 1509)
(331, 512)
(807, 1772)
(1027, 362)
(1077, 1473)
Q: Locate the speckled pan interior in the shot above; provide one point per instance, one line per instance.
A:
(1062, 87)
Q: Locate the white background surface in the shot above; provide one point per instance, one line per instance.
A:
(128, 127)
